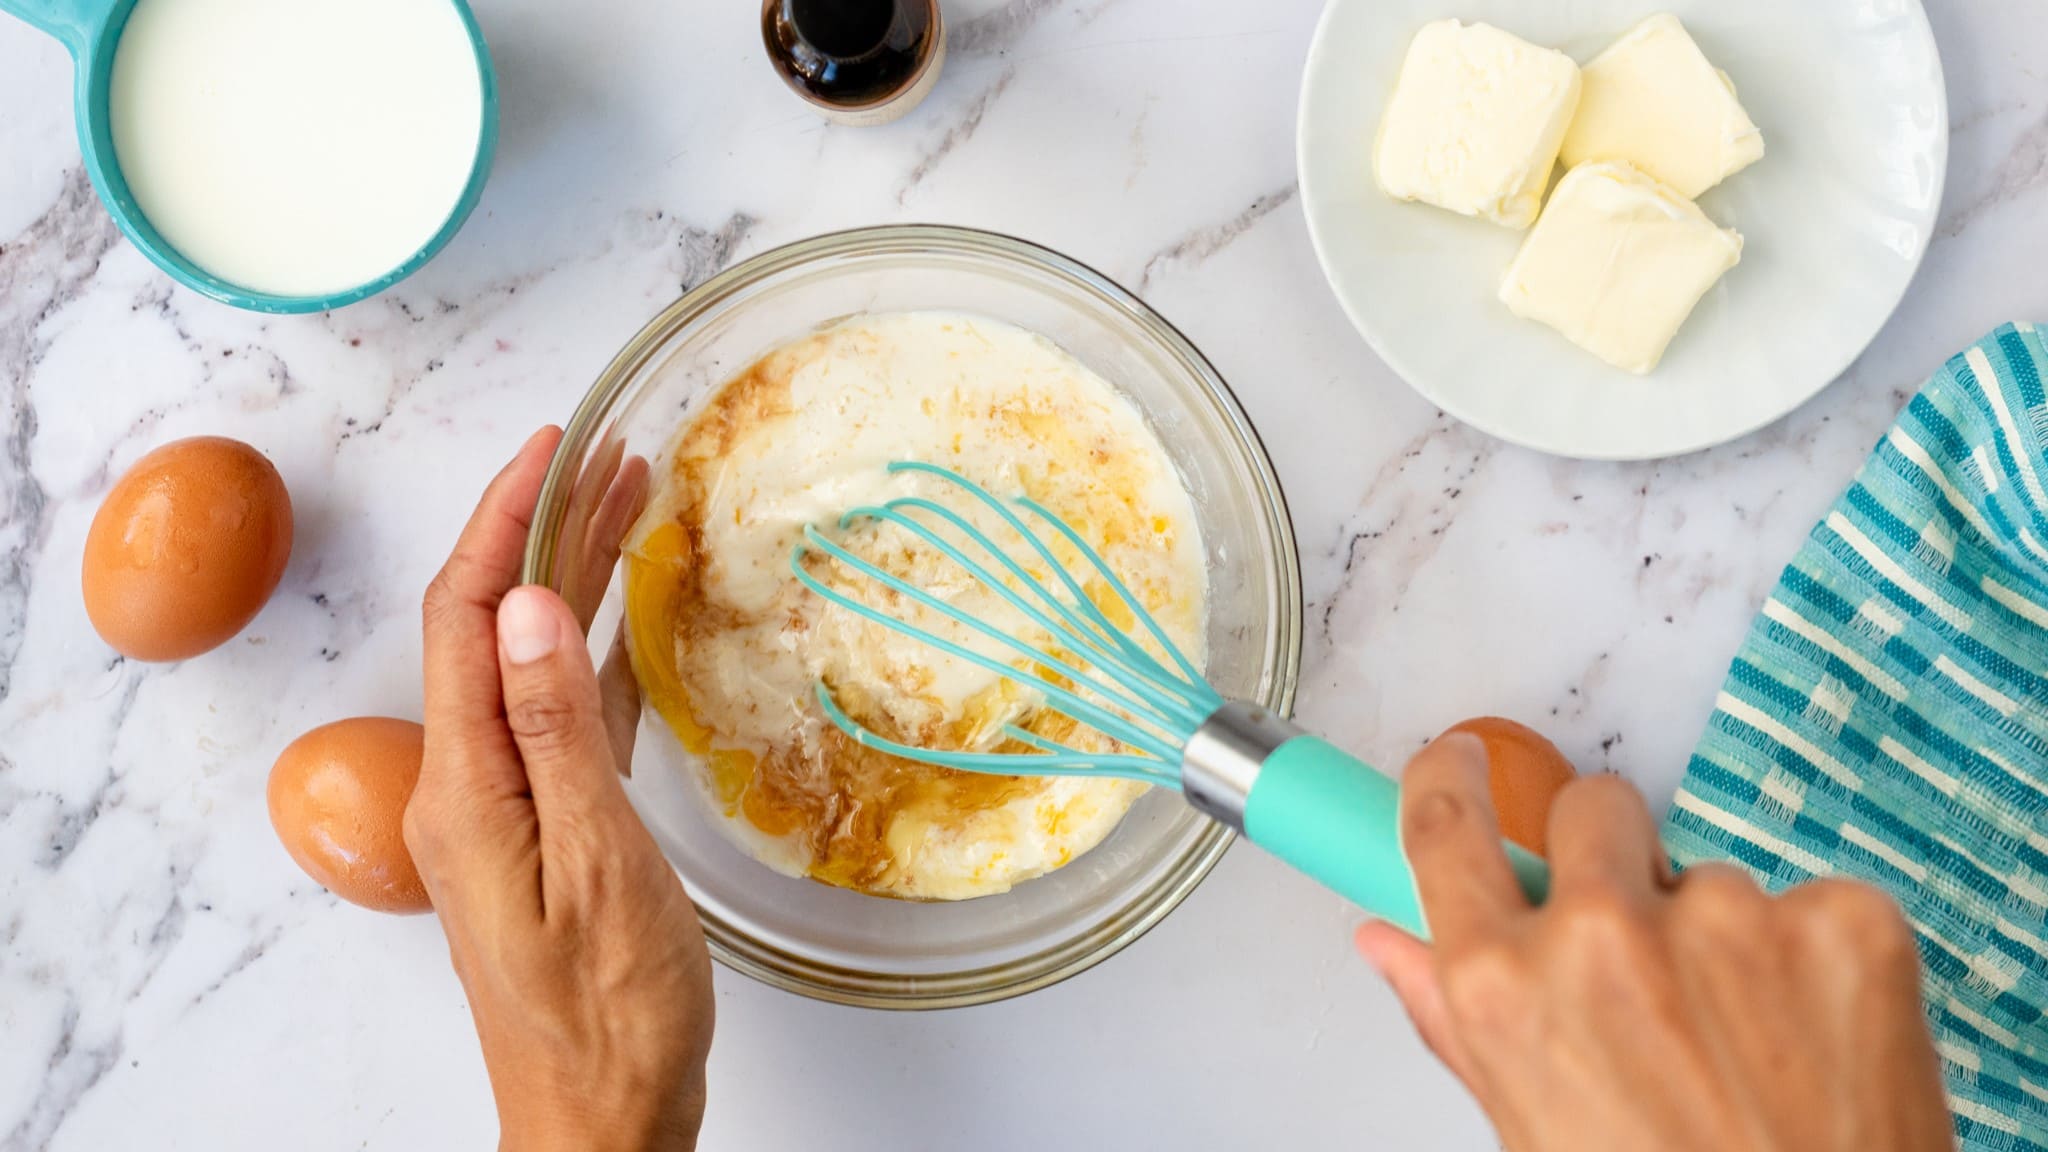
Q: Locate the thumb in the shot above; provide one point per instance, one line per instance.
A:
(553, 707)
(1409, 968)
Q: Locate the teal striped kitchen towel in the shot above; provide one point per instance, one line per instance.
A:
(1887, 719)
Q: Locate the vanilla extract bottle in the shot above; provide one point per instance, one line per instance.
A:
(856, 61)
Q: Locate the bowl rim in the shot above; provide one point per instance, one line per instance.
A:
(775, 966)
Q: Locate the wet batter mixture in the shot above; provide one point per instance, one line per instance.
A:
(727, 644)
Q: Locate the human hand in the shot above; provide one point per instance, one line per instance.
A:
(581, 956)
(1637, 1011)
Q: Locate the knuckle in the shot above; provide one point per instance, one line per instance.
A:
(1730, 929)
(1852, 902)
(1444, 791)
(600, 870)
(543, 720)
(1484, 985)
(1600, 930)
(1854, 918)
(1596, 912)
(1605, 793)
(594, 880)
(577, 830)
(1439, 814)
(1592, 813)
(442, 597)
(1720, 892)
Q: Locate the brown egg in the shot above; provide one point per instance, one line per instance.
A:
(337, 800)
(1527, 774)
(186, 548)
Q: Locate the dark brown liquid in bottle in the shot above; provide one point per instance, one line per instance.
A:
(850, 53)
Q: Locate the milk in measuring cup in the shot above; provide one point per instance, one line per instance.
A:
(296, 147)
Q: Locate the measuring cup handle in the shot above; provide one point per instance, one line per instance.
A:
(75, 23)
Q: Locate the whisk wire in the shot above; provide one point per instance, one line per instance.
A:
(1068, 762)
(1073, 586)
(1131, 602)
(1057, 748)
(1065, 701)
(1092, 633)
(1145, 706)
(1072, 635)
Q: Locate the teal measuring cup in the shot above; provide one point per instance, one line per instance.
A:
(90, 31)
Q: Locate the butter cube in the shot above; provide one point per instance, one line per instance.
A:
(1475, 122)
(1617, 263)
(1653, 100)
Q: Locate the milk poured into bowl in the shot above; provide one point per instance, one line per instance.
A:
(296, 147)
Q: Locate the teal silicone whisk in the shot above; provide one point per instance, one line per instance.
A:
(1306, 801)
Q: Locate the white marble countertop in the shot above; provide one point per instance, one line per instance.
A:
(169, 980)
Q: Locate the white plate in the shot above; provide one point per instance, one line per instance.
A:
(1836, 217)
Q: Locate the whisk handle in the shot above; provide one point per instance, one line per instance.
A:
(1317, 807)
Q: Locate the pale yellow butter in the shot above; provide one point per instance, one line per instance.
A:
(1475, 122)
(1617, 263)
(1653, 100)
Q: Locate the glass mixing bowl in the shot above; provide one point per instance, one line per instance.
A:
(840, 945)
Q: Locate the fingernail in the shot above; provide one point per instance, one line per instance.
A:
(529, 629)
(1469, 750)
(538, 433)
